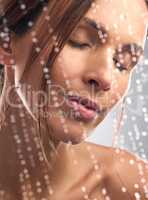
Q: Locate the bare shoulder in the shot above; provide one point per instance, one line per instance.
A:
(116, 156)
(130, 163)
(94, 153)
(94, 147)
(100, 152)
(127, 174)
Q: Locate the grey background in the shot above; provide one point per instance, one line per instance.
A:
(134, 131)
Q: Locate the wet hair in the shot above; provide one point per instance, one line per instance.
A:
(16, 19)
(69, 14)
(64, 16)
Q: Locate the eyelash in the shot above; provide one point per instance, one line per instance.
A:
(121, 67)
(78, 45)
(83, 46)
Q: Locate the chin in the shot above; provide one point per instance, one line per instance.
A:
(73, 138)
(73, 141)
(75, 134)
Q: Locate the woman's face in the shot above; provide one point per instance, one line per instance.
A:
(96, 63)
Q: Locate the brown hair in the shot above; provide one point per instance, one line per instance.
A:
(64, 16)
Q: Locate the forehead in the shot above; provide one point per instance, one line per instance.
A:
(124, 18)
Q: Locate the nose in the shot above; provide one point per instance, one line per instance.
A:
(98, 72)
(100, 81)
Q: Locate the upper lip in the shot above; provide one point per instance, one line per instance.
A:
(88, 103)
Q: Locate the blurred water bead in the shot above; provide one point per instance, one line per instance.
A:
(94, 10)
(34, 40)
(145, 61)
(83, 188)
(130, 133)
(130, 29)
(47, 76)
(144, 133)
(123, 189)
(133, 118)
(86, 196)
(141, 97)
(137, 196)
(146, 119)
(56, 49)
(139, 88)
(144, 109)
(47, 17)
(93, 5)
(50, 30)
(6, 29)
(56, 104)
(138, 81)
(5, 45)
(107, 198)
(136, 186)
(12, 119)
(122, 17)
(54, 38)
(45, 70)
(131, 162)
(42, 62)
(30, 23)
(115, 26)
(22, 6)
(104, 191)
(3, 35)
(128, 100)
(33, 33)
(37, 49)
(49, 82)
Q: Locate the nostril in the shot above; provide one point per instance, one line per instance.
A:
(97, 81)
(99, 85)
(106, 88)
(93, 82)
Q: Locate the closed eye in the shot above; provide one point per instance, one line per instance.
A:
(79, 45)
(119, 65)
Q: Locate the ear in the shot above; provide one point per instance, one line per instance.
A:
(6, 56)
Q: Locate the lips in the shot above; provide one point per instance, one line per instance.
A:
(84, 108)
(87, 103)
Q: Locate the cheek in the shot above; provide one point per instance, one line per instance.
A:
(70, 63)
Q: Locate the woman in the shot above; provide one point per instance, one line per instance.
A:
(67, 63)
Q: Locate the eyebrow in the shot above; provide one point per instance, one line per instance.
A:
(99, 26)
(94, 25)
(133, 47)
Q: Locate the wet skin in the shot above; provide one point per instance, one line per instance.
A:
(96, 63)
(95, 60)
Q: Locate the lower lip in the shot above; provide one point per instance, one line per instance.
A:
(81, 111)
